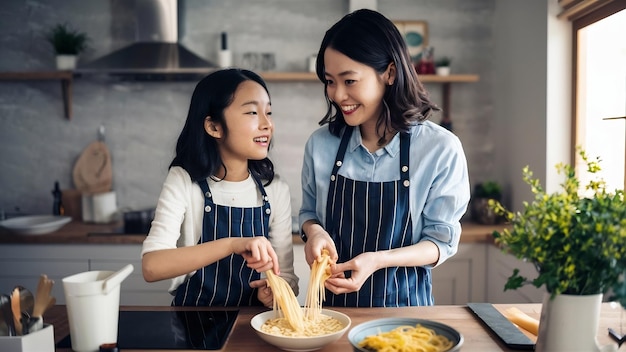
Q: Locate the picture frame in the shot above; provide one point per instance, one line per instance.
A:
(415, 35)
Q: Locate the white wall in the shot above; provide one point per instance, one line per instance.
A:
(531, 93)
(559, 109)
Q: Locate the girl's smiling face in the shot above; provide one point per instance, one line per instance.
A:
(248, 129)
(357, 88)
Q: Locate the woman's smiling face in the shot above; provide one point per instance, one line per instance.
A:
(357, 88)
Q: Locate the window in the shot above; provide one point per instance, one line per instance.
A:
(600, 97)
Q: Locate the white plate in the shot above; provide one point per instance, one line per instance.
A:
(35, 224)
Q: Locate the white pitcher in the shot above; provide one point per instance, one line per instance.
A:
(93, 303)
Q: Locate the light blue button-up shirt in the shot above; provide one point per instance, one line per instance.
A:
(439, 190)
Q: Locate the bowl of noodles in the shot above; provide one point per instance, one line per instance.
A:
(326, 329)
(420, 334)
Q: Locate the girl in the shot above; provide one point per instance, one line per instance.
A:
(383, 188)
(214, 230)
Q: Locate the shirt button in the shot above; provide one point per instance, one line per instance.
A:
(207, 208)
(268, 211)
(406, 183)
(338, 163)
(405, 168)
(332, 177)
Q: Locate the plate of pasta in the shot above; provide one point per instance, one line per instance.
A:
(404, 334)
(317, 333)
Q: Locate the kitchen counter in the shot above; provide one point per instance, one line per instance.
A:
(476, 336)
(78, 232)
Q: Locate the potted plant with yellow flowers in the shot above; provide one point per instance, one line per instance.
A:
(67, 44)
(576, 239)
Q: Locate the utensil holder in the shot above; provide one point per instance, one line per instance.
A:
(41, 341)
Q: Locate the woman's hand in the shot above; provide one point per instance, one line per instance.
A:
(361, 268)
(264, 292)
(318, 239)
(258, 253)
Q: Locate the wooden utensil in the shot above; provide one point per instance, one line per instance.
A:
(27, 301)
(17, 313)
(52, 302)
(42, 296)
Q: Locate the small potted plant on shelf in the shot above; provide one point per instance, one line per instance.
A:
(576, 240)
(481, 211)
(442, 66)
(67, 44)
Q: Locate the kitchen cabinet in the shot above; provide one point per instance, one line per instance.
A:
(462, 278)
(21, 264)
(501, 266)
(66, 79)
(478, 273)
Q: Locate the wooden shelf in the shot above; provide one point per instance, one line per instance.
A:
(448, 79)
(273, 76)
(445, 82)
(446, 93)
(64, 76)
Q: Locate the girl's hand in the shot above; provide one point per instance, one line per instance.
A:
(264, 292)
(258, 253)
(362, 267)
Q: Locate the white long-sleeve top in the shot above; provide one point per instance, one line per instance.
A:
(180, 212)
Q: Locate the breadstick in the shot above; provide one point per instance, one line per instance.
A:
(522, 320)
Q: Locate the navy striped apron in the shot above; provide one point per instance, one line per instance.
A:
(227, 281)
(371, 216)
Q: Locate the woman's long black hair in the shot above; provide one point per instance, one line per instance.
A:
(370, 38)
(196, 151)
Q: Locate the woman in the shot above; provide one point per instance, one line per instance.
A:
(214, 231)
(383, 188)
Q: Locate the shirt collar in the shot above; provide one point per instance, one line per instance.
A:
(392, 148)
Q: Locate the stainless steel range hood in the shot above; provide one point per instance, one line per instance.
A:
(156, 51)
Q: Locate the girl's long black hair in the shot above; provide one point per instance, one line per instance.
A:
(370, 38)
(196, 151)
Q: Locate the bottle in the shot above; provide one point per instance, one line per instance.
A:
(57, 204)
(224, 56)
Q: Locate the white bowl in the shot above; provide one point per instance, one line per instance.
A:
(300, 344)
(373, 327)
(35, 224)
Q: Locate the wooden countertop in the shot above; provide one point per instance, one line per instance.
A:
(77, 232)
(476, 336)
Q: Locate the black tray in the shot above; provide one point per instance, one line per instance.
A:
(512, 337)
(191, 330)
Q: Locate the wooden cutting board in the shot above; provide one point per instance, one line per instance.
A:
(93, 172)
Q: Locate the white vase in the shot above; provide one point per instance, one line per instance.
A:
(570, 323)
(66, 62)
(443, 70)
